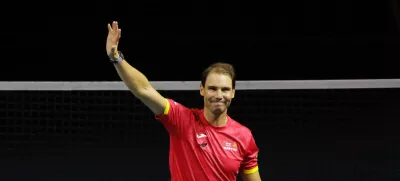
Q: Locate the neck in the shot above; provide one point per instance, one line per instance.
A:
(215, 119)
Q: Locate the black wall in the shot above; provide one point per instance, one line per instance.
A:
(269, 41)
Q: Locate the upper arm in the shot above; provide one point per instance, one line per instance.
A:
(153, 100)
(249, 165)
(251, 177)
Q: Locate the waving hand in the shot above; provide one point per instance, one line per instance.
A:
(114, 34)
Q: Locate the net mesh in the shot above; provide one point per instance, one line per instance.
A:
(32, 118)
(322, 126)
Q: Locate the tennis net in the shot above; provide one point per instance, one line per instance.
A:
(314, 115)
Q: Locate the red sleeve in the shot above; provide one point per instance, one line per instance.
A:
(173, 117)
(250, 161)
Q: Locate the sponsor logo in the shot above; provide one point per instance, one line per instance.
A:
(202, 135)
(230, 146)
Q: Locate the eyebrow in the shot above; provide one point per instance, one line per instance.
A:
(223, 87)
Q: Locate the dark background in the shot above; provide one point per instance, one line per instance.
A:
(265, 41)
(303, 134)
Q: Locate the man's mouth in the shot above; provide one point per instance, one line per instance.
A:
(218, 103)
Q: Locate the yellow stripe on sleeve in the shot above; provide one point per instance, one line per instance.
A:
(251, 170)
(166, 111)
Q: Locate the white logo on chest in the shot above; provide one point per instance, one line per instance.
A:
(201, 135)
(230, 146)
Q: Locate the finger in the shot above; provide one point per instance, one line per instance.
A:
(109, 28)
(119, 33)
(114, 25)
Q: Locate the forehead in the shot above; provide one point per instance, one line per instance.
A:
(219, 80)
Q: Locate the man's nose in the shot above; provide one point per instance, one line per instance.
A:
(219, 94)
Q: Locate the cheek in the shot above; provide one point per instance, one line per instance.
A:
(228, 97)
(207, 97)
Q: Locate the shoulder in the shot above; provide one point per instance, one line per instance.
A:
(243, 132)
(236, 125)
(171, 103)
(177, 109)
(173, 109)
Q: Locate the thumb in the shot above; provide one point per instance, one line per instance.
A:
(113, 50)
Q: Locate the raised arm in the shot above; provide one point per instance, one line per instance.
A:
(137, 83)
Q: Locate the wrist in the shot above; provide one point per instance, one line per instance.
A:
(114, 55)
(117, 57)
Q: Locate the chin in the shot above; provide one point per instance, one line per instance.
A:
(218, 110)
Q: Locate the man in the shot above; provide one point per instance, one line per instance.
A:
(205, 144)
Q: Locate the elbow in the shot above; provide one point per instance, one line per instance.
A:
(143, 92)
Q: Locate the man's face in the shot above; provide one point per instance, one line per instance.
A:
(217, 92)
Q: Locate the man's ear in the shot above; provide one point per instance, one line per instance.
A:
(201, 90)
(233, 93)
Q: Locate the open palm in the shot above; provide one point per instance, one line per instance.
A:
(114, 34)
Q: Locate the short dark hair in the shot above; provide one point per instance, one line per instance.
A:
(221, 68)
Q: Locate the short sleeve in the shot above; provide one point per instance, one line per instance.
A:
(250, 161)
(173, 117)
